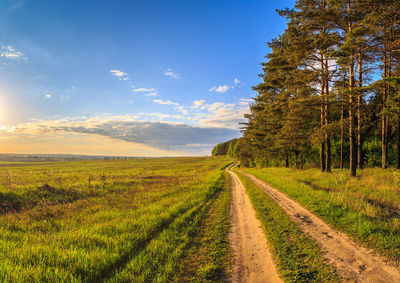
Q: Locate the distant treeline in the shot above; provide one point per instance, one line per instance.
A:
(230, 148)
(330, 94)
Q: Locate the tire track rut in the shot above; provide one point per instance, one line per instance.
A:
(252, 259)
(353, 262)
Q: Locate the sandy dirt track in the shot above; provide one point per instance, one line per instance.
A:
(353, 262)
(253, 261)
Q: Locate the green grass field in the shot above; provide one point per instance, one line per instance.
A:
(366, 207)
(121, 220)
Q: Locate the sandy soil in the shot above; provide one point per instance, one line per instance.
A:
(253, 261)
(353, 262)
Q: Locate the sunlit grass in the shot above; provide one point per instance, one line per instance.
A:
(366, 207)
(93, 220)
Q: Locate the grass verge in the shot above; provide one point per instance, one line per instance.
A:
(298, 257)
(367, 208)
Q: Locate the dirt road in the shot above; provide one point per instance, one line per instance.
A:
(354, 263)
(253, 261)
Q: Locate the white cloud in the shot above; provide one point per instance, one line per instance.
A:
(122, 76)
(9, 52)
(245, 101)
(225, 88)
(142, 89)
(178, 107)
(220, 89)
(48, 96)
(223, 115)
(217, 105)
(146, 91)
(182, 110)
(198, 104)
(165, 102)
(155, 93)
(171, 74)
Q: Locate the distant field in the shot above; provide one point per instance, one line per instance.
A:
(366, 207)
(120, 220)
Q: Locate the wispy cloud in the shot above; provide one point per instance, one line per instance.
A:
(219, 114)
(122, 76)
(142, 89)
(171, 74)
(9, 52)
(178, 107)
(198, 104)
(182, 110)
(245, 101)
(224, 115)
(225, 88)
(48, 96)
(155, 93)
(15, 6)
(165, 102)
(220, 89)
(146, 91)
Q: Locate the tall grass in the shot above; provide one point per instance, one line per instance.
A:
(367, 207)
(135, 216)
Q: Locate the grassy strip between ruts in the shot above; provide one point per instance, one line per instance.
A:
(211, 255)
(366, 207)
(166, 257)
(298, 257)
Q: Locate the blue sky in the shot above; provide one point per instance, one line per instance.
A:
(144, 78)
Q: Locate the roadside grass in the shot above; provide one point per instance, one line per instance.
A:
(366, 207)
(298, 257)
(144, 211)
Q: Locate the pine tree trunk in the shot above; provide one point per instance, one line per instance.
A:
(286, 160)
(398, 142)
(301, 161)
(322, 149)
(384, 116)
(359, 102)
(342, 133)
(353, 158)
(327, 136)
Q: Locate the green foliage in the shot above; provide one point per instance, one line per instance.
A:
(229, 148)
(372, 148)
(331, 80)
